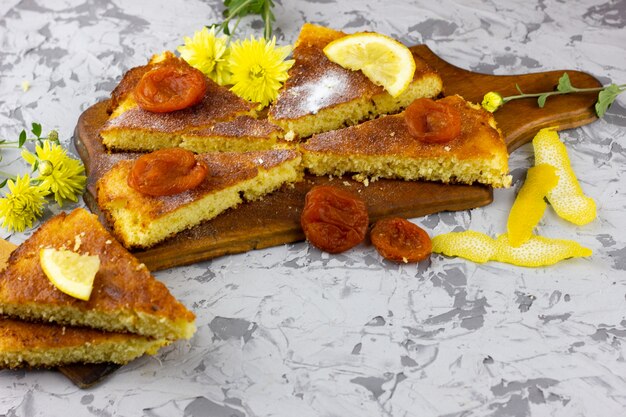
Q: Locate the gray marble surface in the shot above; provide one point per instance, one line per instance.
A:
(291, 331)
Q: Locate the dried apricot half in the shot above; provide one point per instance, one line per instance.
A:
(334, 219)
(171, 87)
(399, 240)
(167, 172)
(432, 121)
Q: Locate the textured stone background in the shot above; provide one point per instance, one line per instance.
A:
(291, 331)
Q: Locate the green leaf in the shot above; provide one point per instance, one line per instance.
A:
(35, 165)
(606, 97)
(519, 89)
(243, 8)
(565, 85)
(541, 101)
(22, 139)
(3, 183)
(36, 129)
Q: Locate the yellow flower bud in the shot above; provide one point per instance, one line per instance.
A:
(45, 168)
(492, 101)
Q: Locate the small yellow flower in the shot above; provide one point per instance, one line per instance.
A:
(58, 173)
(22, 205)
(208, 53)
(258, 69)
(492, 101)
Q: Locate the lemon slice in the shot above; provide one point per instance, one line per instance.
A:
(69, 271)
(385, 61)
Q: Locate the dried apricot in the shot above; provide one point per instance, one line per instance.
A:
(170, 87)
(399, 240)
(167, 172)
(333, 219)
(432, 121)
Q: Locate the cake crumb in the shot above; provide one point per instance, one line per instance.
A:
(447, 148)
(108, 242)
(347, 184)
(405, 260)
(289, 136)
(77, 242)
(362, 179)
(392, 134)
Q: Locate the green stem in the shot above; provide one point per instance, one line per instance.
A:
(233, 13)
(267, 20)
(555, 93)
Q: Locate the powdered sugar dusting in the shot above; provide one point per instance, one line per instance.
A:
(322, 93)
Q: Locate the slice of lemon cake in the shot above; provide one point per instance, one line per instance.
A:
(131, 128)
(320, 95)
(141, 220)
(45, 345)
(125, 296)
(385, 148)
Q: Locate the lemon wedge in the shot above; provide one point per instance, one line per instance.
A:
(69, 271)
(385, 61)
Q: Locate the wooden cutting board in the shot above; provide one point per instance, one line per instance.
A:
(276, 219)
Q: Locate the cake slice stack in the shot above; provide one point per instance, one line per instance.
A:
(129, 312)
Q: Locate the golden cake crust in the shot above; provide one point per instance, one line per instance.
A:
(388, 136)
(121, 283)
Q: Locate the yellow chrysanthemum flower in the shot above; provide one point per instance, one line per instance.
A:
(22, 205)
(258, 69)
(492, 101)
(207, 53)
(58, 173)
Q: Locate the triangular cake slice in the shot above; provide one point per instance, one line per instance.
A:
(320, 95)
(131, 128)
(125, 296)
(384, 148)
(46, 345)
(140, 220)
